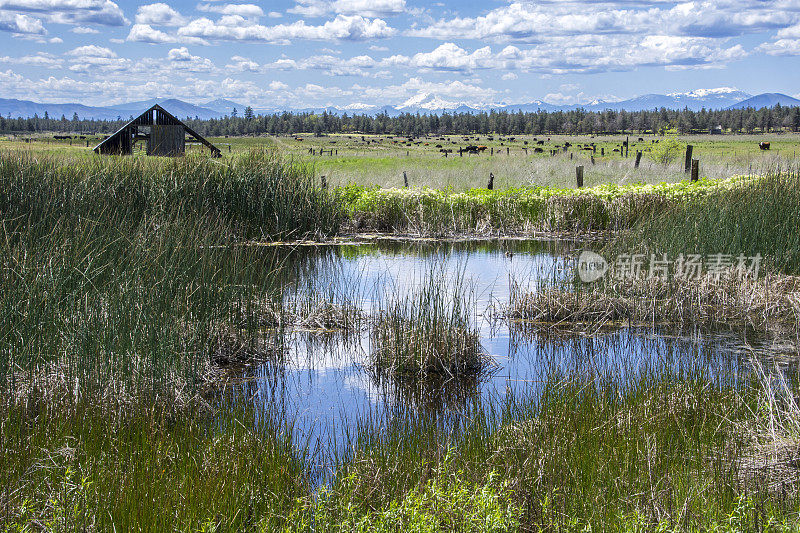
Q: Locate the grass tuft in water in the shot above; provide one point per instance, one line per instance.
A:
(429, 333)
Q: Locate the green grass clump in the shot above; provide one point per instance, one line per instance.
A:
(428, 333)
(447, 502)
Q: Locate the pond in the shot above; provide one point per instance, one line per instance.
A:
(326, 390)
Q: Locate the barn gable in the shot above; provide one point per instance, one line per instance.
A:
(163, 134)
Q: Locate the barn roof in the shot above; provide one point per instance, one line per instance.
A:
(155, 116)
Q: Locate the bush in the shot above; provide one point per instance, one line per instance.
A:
(666, 151)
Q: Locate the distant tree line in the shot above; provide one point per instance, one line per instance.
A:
(578, 121)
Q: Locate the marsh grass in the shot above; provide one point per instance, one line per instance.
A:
(428, 333)
(89, 467)
(769, 303)
(604, 208)
(759, 218)
(772, 460)
(119, 274)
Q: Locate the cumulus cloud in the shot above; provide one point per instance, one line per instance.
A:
(560, 55)
(92, 50)
(18, 23)
(144, 33)
(328, 64)
(369, 8)
(243, 10)
(310, 8)
(183, 60)
(781, 47)
(243, 64)
(103, 12)
(237, 28)
(40, 59)
(366, 8)
(159, 14)
(522, 21)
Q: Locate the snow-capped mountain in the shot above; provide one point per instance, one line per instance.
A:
(423, 102)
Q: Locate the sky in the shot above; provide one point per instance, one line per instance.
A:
(355, 54)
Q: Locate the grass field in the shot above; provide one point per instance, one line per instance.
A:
(381, 160)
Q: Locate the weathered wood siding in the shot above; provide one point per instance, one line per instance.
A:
(166, 141)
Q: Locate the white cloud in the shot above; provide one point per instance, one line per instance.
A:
(159, 14)
(84, 30)
(243, 10)
(447, 56)
(369, 8)
(40, 59)
(182, 59)
(523, 21)
(329, 64)
(243, 64)
(144, 33)
(92, 50)
(310, 8)
(18, 23)
(237, 28)
(102, 12)
(781, 47)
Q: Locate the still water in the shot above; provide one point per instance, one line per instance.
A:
(324, 388)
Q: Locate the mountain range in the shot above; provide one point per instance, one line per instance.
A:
(722, 98)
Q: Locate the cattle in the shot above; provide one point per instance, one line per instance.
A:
(567, 145)
(641, 138)
(482, 148)
(538, 150)
(540, 143)
(763, 145)
(438, 146)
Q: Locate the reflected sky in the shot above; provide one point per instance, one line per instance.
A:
(324, 387)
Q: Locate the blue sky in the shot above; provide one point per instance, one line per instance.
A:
(361, 53)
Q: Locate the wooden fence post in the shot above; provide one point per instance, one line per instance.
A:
(638, 159)
(490, 185)
(405, 179)
(688, 165)
(695, 169)
(579, 175)
(591, 157)
(324, 183)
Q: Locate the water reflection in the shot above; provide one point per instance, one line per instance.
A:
(326, 390)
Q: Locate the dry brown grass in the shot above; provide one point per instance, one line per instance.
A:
(768, 303)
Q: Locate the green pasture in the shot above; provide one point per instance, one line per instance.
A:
(381, 160)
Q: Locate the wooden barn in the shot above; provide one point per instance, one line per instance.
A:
(162, 133)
